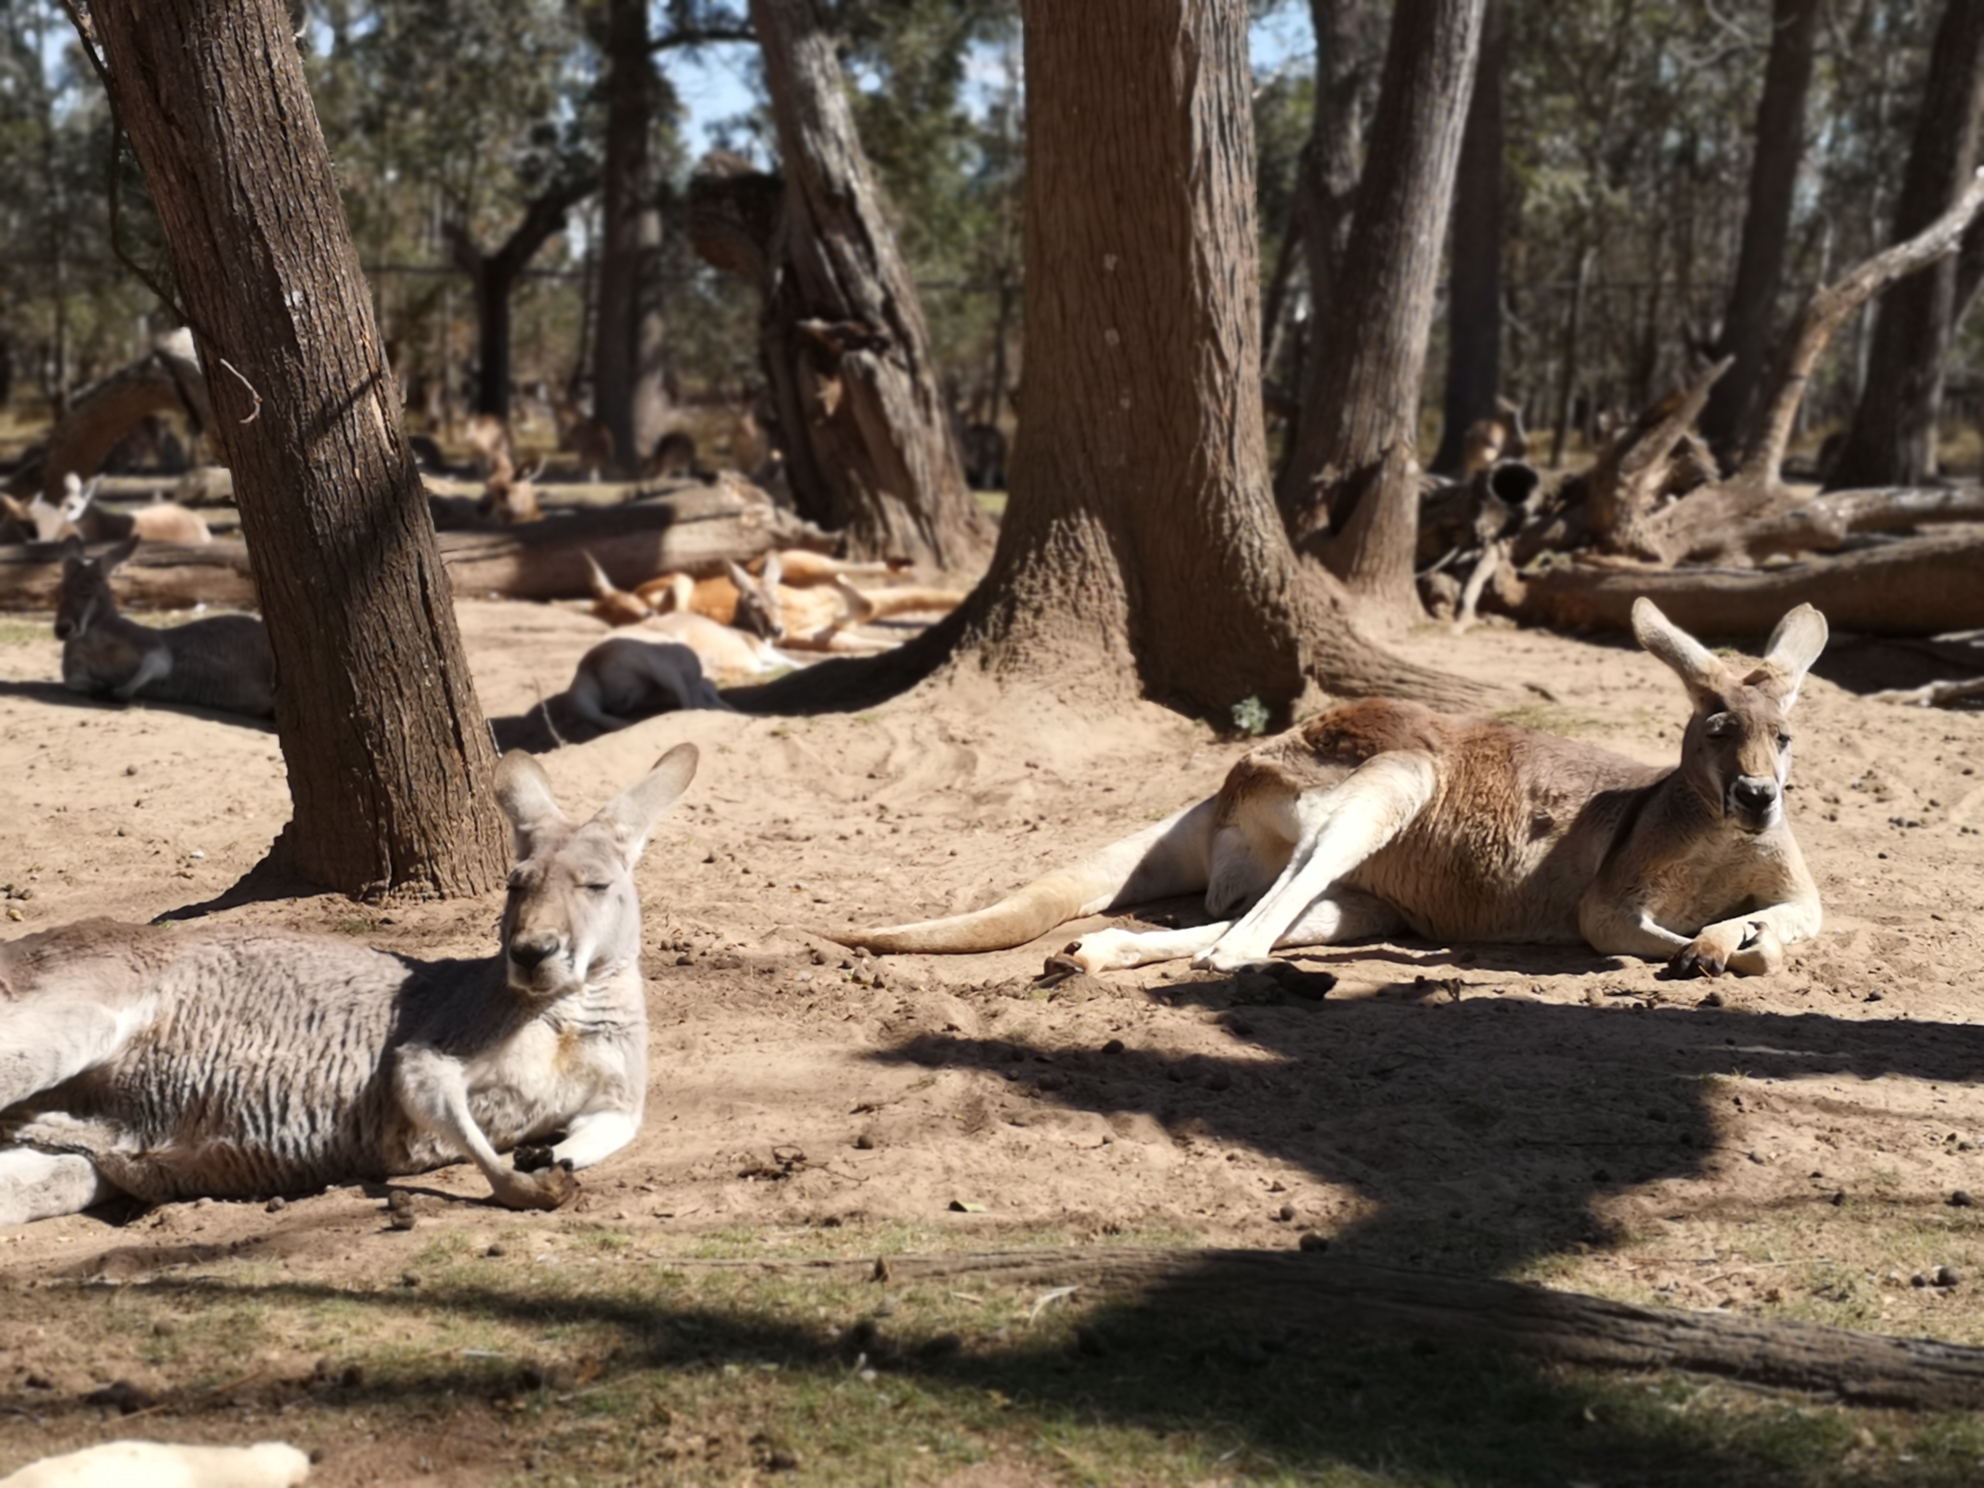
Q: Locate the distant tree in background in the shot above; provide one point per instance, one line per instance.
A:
(1474, 275)
(1349, 492)
(1892, 439)
(1779, 150)
(872, 415)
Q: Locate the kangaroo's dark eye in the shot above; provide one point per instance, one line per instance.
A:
(1784, 741)
(597, 888)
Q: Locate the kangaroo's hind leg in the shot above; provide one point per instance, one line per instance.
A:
(1334, 916)
(1338, 828)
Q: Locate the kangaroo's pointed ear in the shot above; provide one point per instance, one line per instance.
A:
(774, 569)
(118, 554)
(72, 551)
(1795, 644)
(1694, 663)
(633, 813)
(524, 793)
(744, 582)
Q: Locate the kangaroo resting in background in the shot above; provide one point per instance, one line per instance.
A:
(79, 515)
(239, 1062)
(1384, 816)
(623, 680)
(219, 662)
(806, 607)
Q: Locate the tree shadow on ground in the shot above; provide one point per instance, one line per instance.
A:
(1447, 1111)
(1299, 1405)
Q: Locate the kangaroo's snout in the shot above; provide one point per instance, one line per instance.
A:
(532, 949)
(1754, 799)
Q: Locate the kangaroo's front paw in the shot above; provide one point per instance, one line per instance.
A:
(1716, 950)
(532, 1157)
(547, 1188)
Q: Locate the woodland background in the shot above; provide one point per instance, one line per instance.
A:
(462, 129)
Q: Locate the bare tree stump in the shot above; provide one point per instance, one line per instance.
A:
(167, 379)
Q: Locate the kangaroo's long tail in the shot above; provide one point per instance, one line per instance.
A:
(1169, 857)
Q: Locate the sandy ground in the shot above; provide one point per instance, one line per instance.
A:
(1507, 1110)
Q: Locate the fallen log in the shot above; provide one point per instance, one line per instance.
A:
(1324, 1296)
(694, 531)
(158, 576)
(1917, 586)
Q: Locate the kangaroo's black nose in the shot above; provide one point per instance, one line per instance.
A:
(1754, 794)
(530, 951)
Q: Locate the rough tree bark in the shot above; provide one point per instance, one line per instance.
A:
(389, 759)
(1351, 496)
(493, 280)
(1892, 439)
(885, 456)
(1474, 278)
(1141, 548)
(1780, 146)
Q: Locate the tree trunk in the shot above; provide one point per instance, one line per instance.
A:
(1141, 549)
(1326, 183)
(873, 411)
(388, 756)
(1780, 146)
(631, 90)
(1352, 494)
(494, 276)
(1892, 439)
(1474, 278)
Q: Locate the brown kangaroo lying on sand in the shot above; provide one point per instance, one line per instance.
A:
(219, 662)
(797, 599)
(1381, 816)
(241, 1062)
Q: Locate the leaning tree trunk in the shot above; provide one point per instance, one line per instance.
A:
(389, 759)
(1351, 494)
(1892, 439)
(1780, 145)
(1474, 295)
(884, 451)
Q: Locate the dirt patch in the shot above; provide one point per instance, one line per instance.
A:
(1790, 1144)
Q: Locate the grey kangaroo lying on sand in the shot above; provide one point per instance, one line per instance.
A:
(1384, 816)
(219, 662)
(240, 1062)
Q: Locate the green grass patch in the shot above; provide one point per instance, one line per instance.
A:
(611, 1359)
